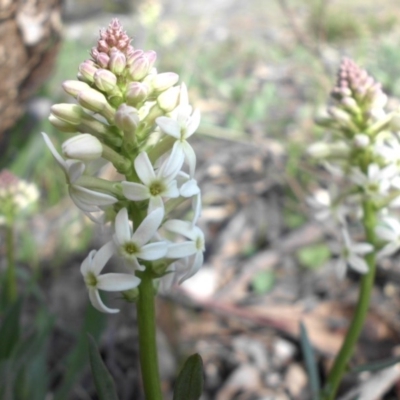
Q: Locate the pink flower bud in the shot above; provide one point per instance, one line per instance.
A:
(103, 60)
(74, 87)
(71, 113)
(127, 118)
(134, 55)
(164, 81)
(139, 69)
(136, 93)
(84, 147)
(87, 70)
(151, 57)
(169, 99)
(117, 62)
(105, 80)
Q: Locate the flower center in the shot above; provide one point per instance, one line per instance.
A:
(131, 248)
(199, 244)
(157, 188)
(91, 279)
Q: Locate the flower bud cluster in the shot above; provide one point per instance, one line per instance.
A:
(16, 197)
(138, 120)
(362, 152)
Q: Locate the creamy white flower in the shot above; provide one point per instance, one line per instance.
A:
(91, 268)
(389, 231)
(135, 245)
(86, 199)
(193, 249)
(376, 182)
(84, 147)
(181, 128)
(156, 184)
(350, 256)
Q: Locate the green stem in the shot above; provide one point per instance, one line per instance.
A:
(11, 280)
(147, 337)
(367, 283)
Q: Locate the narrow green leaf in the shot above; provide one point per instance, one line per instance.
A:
(9, 330)
(309, 359)
(77, 359)
(102, 378)
(189, 384)
(376, 366)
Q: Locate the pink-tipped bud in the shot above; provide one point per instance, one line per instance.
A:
(105, 80)
(136, 93)
(92, 100)
(87, 70)
(134, 55)
(70, 113)
(102, 60)
(164, 81)
(74, 87)
(83, 147)
(151, 57)
(62, 125)
(117, 62)
(169, 99)
(127, 118)
(139, 69)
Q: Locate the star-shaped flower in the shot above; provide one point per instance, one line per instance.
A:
(113, 282)
(389, 231)
(156, 184)
(134, 246)
(350, 256)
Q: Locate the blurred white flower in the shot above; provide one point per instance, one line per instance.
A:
(389, 231)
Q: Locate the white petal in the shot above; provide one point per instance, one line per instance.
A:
(102, 256)
(362, 248)
(55, 153)
(190, 156)
(117, 282)
(122, 227)
(184, 228)
(197, 263)
(91, 197)
(171, 166)
(385, 233)
(154, 203)
(148, 227)
(171, 191)
(389, 249)
(144, 169)
(196, 204)
(98, 303)
(358, 264)
(183, 95)
(180, 250)
(153, 251)
(341, 268)
(193, 124)
(189, 188)
(80, 202)
(135, 191)
(75, 169)
(86, 265)
(169, 126)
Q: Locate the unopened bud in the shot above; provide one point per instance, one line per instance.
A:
(74, 87)
(321, 150)
(136, 93)
(83, 147)
(134, 56)
(127, 118)
(95, 101)
(361, 141)
(87, 70)
(339, 115)
(351, 104)
(103, 60)
(61, 125)
(71, 113)
(105, 80)
(117, 62)
(164, 81)
(151, 57)
(169, 99)
(139, 68)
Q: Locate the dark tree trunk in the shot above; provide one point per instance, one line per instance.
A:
(30, 33)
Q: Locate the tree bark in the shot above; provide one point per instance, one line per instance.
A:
(30, 34)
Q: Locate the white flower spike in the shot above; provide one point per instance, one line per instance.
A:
(134, 246)
(113, 282)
